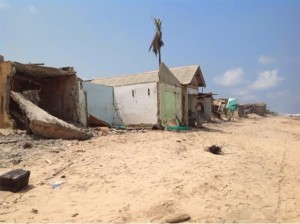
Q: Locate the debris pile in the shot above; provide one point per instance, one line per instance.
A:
(42, 123)
(256, 108)
(42, 100)
(214, 149)
(219, 110)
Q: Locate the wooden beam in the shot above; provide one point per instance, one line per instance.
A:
(40, 71)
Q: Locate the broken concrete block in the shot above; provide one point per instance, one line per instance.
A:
(14, 180)
(43, 124)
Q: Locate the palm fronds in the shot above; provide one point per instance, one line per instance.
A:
(157, 42)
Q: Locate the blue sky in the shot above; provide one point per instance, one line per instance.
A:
(247, 49)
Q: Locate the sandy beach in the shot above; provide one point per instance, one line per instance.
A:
(146, 176)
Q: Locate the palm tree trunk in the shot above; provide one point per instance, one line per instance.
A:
(159, 57)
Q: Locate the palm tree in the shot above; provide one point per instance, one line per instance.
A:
(157, 42)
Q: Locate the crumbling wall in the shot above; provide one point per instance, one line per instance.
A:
(43, 124)
(57, 97)
(53, 90)
(82, 109)
(205, 113)
(5, 72)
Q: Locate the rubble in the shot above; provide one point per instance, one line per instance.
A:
(43, 124)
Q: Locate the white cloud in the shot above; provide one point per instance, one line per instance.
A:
(266, 80)
(3, 5)
(231, 77)
(265, 60)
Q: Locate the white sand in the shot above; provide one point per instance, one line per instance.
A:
(146, 176)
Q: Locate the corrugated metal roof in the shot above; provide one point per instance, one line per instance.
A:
(129, 79)
(184, 74)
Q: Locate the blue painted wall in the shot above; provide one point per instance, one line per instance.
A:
(100, 101)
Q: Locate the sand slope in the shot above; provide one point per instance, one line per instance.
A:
(146, 176)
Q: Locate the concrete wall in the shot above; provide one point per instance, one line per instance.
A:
(206, 114)
(137, 104)
(100, 102)
(82, 104)
(185, 105)
(166, 76)
(5, 72)
(192, 112)
(58, 94)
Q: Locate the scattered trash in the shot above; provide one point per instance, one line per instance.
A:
(27, 145)
(55, 149)
(177, 128)
(74, 215)
(48, 161)
(214, 149)
(57, 184)
(158, 126)
(34, 211)
(121, 127)
(16, 161)
(8, 142)
(62, 169)
(176, 218)
(14, 180)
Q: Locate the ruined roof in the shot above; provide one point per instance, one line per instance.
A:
(38, 71)
(185, 76)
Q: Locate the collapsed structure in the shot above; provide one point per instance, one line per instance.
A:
(48, 101)
(220, 109)
(28, 89)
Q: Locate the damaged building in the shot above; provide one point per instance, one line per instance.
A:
(43, 100)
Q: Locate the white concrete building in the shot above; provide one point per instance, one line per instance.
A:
(146, 99)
